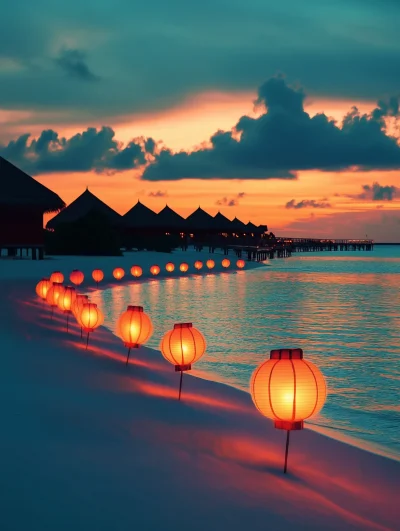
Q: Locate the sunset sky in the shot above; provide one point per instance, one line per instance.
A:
(243, 107)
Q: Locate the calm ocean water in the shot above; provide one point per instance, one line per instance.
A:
(343, 309)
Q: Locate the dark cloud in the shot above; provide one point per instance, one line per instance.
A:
(284, 140)
(374, 192)
(91, 150)
(307, 203)
(158, 193)
(73, 62)
(230, 202)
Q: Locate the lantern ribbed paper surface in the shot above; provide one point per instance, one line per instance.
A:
(183, 345)
(154, 270)
(57, 276)
(198, 264)
(118, 273)
(66, 299)
(240, 264)
(170, 267)
(210, 264)
(90, 317)
(42, 287)
(53, 293)
(97, 275)
(226, 262)
(76, 277)
(136, 271)
(78, 303)
(184, 267)
(134, 326)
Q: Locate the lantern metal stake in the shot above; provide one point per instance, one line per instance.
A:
(129, 351)
(180, 386)
(67, 321)
(286, 451)
(87, 340)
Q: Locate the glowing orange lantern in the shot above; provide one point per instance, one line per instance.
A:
(98, 276)
(57, 276)
(77, 277)
(154, 270)
(170, 267)
(118, 273)
(43, 287)
(226, 262)
(136, 271)
(288, 389)
(65, 301)
(182, 346)
(77, 306)
(134, 327)
(240, 264)
(184, 267)
(198, 265)
(90, 318)
(210, 264)
(52, 295)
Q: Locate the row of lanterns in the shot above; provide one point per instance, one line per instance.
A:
(77, 277)
(286, 388)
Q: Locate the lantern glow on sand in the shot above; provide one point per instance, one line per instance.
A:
(210, 264)
(57, 276)
(42, 287)
(118, 273)
(198, 264)
(97, 276)
(77, 306)
(154, 270)
(134, 327)
(226, 262)
(182, 346)
(136, 271)
(52, 295)
(170, 267)
(76, 277)
(288, 389)
(90, 317)
(240, 264)
(66, 300)
(184, 267)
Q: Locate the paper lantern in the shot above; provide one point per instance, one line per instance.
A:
(240, 264)
(90, 318)
(154, 270)
(288, 389)
(52, 295)
(76, 277)
(210, 264)
(98, 276)
(65, 301)
(42, 287)
(182, 346)
(57, 276)
(226, 262)
(198, 265)
(170, 267)
(77, 306)
(118, 273)
(134, 327)
(136, 271)
(184, 267)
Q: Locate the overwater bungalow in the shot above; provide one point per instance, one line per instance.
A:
(23, 201)
(169, 221)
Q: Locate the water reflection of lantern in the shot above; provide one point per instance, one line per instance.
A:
(90, 317)
(170, 267)
(136, 271)
(198, 264)
(240, 264)
(98, 276)
(77, 306)
(76, 277)
(226, 262)
(154, 269)
(65, 301)
(118, 273)
(57, 276)
(184, 267)
(182, 346)
(134, 327)
(42, 287)
(210, 264)
(288, 389)
(52, 295)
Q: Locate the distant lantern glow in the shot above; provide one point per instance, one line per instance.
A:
(170, 267)
(52, 295)
(42, 287)
(66, 300)
(136, 271)
(134, 327)
(57, 276)
(76, 277)
(154, 270)
(97, 276)
(210, 264)
(90, 318)
(118, 273)
(288, 389)
(226, 262)
(240, 264)
(198, 264)
(182, 346)
(184, 267)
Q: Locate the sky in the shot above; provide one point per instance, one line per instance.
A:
(283, 113)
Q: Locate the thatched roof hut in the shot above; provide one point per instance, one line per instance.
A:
(81, 207)
(170, 220)
(19, 189)
(222, 223)
(140, 217)
(200, 220)
(251, 228)
(238, 226)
